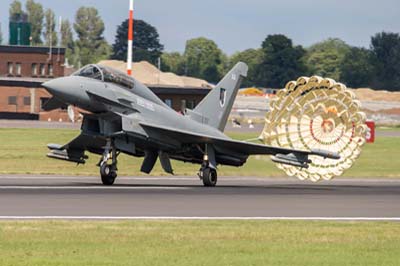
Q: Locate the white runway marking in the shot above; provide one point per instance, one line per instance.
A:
(94, 178)
(89, 188)
(194, 178)
(118, 218)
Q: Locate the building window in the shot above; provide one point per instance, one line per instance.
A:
(42, 70)
(10, 68)
(50, 70)
(34, 69)
(168, 102)
(27, 100)
(12, 100)
(18, 69)
(43, 101)
(190, 104)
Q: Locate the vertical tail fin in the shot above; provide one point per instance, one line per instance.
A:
(217, 105)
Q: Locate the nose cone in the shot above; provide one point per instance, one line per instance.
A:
(70, 91)
(66, 89)
(55, 86)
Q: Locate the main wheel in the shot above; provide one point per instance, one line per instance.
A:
(210, 177)
(108, 175)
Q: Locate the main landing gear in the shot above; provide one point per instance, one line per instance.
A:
(208, 170)
(108, 172)
(209, 176)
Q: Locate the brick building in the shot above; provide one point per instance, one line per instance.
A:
(23, 69)
(23, 98)
(33, 62)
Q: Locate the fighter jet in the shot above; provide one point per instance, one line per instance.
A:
(124, 116)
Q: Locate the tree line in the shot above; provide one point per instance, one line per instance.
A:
(279, 61)
(90, 45)
(276, 62)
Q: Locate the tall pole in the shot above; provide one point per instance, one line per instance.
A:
(130, 37)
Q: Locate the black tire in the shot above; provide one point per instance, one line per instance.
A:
(210, 177)
(108, 175)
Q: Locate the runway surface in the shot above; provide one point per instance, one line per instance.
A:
(178, 197)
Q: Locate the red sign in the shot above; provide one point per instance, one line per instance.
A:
(370, 136)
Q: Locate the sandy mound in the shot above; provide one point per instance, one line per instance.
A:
(374, 95)
(152, 76)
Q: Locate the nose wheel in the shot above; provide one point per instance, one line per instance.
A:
(108, 172)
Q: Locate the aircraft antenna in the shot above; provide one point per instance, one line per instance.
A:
(130, 38)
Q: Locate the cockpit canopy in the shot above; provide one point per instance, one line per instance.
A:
(106, 74)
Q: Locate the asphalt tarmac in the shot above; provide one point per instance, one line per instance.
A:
(185, 197)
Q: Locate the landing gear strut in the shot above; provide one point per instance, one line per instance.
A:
(108, 172)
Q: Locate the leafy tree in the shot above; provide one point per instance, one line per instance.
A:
(325, 58)
(281, 62)
(35, 18)
(50, 33)
(75, 58)
(104, 51)
(146, 42)
(203, 59)
(16, 10)
(386, 60)
(356, 69)
(173, 62)
(253, 58)
(90, 28)
(67, 41)
(225, 66)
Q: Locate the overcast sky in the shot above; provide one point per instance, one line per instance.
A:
(237, 25)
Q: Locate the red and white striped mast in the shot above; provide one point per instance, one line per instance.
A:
(130, 38)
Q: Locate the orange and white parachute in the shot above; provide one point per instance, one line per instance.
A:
(316, 113)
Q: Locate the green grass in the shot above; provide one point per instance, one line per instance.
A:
(391, 128)
(198, 243)
(23, 152)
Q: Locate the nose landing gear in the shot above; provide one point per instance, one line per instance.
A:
(108, 172)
